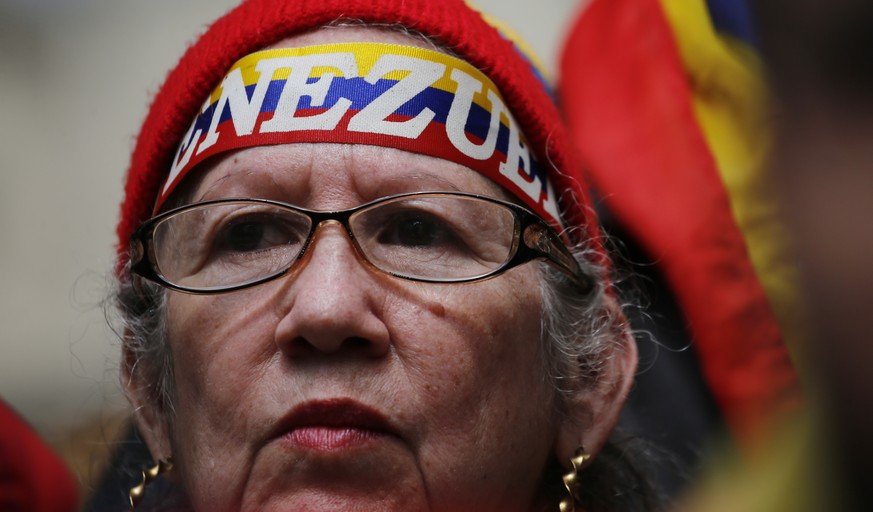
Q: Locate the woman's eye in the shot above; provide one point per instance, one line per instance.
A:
(244, 237)
(415, 231)
(248, 235)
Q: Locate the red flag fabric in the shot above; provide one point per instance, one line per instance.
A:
(647, 108)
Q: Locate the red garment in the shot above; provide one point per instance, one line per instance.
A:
(32, 477)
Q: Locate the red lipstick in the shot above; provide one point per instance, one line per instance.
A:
(332, 425)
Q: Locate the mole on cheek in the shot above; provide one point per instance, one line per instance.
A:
(436, 309)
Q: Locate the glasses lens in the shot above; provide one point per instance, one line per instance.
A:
(436, 237)
(228, 244)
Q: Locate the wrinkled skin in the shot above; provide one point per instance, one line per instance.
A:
(445, 365)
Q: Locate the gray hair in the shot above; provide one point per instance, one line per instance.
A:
(142, 327)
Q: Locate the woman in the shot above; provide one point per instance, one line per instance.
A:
(333, 305)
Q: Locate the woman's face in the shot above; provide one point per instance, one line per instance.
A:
(338, 387)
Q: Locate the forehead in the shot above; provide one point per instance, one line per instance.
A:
(331, 176)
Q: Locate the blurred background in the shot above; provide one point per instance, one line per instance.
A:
(76, 77)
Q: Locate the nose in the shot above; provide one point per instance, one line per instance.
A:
(333, 303)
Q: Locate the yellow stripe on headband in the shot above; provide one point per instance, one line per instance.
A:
(365, 56)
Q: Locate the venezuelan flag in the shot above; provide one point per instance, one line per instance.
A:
(668, 109)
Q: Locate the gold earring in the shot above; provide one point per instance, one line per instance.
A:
(148, 476)
(570, 480)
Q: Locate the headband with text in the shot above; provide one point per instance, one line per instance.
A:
(388, 95)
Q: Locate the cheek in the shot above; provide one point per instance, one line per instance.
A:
(492, 327)
(225, 334)
(474, 361)
(218, 354)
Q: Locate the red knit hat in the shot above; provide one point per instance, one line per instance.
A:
(256, 24)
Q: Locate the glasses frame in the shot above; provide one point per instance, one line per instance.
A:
(533, 239)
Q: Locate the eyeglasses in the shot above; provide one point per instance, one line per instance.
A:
(229, 244)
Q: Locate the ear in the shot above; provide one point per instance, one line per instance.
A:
(148, 410)
(594, 407)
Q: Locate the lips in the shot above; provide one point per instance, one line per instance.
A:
(330, 425)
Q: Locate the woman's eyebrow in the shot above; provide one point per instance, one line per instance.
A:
(429, 177)
(424, 177)
(204, 195)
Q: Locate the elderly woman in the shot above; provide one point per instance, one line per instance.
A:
(362, 273)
